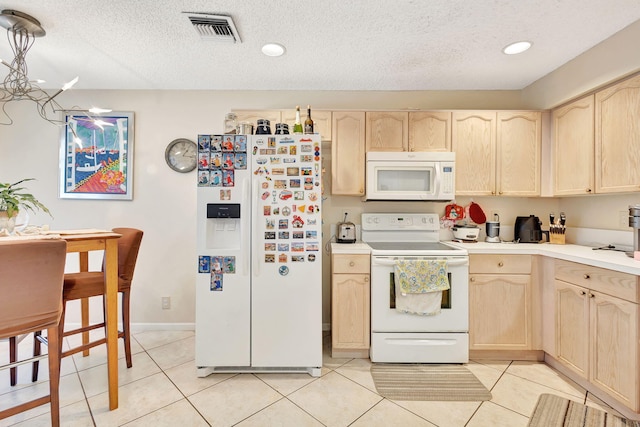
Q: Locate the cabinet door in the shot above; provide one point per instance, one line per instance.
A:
(572, 327)
(474, 142)
(500, 312)
(617, 157)
(614, 347)
(519, 150)
(387, 131)
(573, 132)
(348, 153)
(321, 121)
(430, 131)
(252, 116)
(350, 311)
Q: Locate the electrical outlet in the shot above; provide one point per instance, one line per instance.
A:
(623, 221)
(166, 303)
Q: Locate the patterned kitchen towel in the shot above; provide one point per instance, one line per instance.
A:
(420, 276)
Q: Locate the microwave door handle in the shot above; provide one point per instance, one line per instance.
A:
(438, 179)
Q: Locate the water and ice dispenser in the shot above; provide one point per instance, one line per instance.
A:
(223, 226)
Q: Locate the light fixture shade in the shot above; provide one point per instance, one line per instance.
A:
(273, 49)
(517, 47)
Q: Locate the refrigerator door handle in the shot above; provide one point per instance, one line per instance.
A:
(246, 234)
(254, 227)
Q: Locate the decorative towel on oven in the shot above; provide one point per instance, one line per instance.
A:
(419, 286)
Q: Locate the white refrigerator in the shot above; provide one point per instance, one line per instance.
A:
(259, 246)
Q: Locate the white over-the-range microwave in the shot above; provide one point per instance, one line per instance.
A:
(410, 176)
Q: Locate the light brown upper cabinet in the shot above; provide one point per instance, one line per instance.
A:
(474, 142)
(519, 153)
(573, 131)
(409, 131)
(497, 153)
(430, 131)
(348, 153)
(387, 131)
(617, 138)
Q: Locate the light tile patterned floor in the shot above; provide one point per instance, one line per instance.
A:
(161, 389)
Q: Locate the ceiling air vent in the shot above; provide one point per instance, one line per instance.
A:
(214, 27)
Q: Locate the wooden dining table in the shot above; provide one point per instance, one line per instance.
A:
(82, 242)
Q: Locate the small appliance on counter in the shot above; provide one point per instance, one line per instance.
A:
(466, 233)
(634, 222)
(345, 231)
(493, 230)
(528, 230)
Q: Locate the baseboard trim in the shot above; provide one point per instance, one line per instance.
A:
(529, 355)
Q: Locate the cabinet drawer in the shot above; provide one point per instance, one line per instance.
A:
(610, 282)
(351, 264)
(497, 264)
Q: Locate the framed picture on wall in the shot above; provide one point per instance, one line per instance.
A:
(96, 157)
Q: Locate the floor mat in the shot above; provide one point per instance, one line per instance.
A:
(556, 411)
(428, 382)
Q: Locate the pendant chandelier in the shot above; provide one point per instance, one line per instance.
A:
(22, 30)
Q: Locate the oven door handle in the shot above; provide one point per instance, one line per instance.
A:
(453, 263)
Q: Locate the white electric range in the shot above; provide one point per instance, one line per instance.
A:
(398, 337)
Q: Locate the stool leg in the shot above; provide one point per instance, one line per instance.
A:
(13, 358)
(126, 327)
(36, 352)
(84, 307)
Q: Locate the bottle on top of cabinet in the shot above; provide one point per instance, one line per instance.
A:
(308, 123)
(297, 126)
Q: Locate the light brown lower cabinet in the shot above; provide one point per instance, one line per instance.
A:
(597, 328)
(500, 302)
(350, 305)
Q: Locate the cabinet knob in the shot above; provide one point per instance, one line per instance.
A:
(500, 192)
(473, 279)
(591, 295)
(366, 279)
(588, 190)
(351, 264)
(583, 293)
(493, 192)
(586, 276)
(500, 264)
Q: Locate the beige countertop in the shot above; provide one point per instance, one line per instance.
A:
(612, 260)
(350, 248)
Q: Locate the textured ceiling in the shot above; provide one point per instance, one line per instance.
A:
(331, 44)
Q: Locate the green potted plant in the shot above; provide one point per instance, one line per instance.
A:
(13, 198)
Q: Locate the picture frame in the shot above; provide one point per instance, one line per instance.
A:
(96, 156)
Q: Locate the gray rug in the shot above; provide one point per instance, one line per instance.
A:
(428, 382)
(556, 411)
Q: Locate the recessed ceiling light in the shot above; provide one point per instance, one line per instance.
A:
(517, 47)
(273, 49)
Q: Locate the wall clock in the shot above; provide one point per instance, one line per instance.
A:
(181, 155)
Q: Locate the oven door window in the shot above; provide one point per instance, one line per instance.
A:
(446, 295)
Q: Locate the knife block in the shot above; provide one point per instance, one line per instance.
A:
(556, 238)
